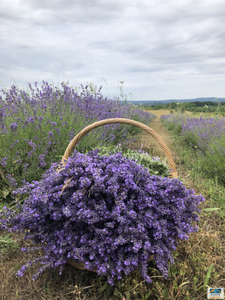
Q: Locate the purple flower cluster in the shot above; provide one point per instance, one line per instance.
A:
(4, 161)
(105, 211)
(13, 126)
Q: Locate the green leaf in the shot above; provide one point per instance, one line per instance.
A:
(165, 293)
(127, 296)
(182, 271)
(210, 209)
(102, 288)
(184, 283)
(175, 286)
(117, 293)
(146, 297)
(208, 275)
(5, 193)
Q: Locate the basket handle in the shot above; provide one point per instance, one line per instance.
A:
(159, 140)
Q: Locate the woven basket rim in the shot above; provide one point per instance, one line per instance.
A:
(154, 134)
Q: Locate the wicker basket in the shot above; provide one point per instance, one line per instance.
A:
(86, 130)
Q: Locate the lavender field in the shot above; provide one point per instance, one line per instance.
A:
(206, 136)
(36, 126)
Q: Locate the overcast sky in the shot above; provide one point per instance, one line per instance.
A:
(160, 49)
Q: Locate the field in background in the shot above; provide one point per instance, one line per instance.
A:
(159, 112)
(204, 136)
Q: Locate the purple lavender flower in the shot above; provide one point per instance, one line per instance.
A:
(13, 144)
(42, 162)
(31, 120)
(12, 181)
(4, 161)
(25, 167)
(50, 133)
(105, 211)
(13, 126)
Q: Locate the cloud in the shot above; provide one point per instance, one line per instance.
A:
(158, 48)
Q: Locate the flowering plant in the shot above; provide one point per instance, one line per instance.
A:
(105, 211)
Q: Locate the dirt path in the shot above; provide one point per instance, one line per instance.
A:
(165, 135)
(149, 143)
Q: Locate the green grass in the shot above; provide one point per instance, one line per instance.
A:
(8, 245)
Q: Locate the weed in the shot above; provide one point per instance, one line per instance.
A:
(8, 245)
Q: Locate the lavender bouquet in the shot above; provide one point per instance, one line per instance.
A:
(105, 211)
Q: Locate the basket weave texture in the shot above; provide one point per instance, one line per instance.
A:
(86, 130)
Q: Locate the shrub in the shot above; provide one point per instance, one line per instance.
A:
(104, 211)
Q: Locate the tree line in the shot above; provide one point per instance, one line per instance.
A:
(196, 106)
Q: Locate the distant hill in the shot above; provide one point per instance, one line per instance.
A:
(161, 102)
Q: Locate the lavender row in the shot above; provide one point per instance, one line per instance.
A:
(206, 136)
(37, 126)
